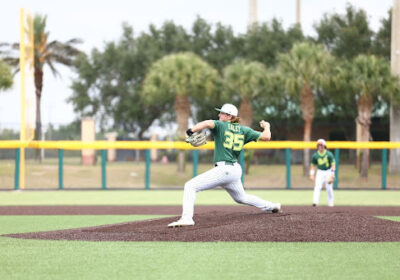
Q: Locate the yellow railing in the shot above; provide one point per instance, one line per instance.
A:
(143, 145)
(180, 145)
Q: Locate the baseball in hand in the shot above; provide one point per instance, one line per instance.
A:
(264, 124)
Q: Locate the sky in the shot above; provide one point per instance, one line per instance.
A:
(100, 21)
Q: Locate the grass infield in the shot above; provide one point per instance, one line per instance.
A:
(38, 259)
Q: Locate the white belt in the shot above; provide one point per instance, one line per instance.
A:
(328, 170)
(219, 163)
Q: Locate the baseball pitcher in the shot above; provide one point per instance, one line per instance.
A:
(229, 138)
(324, 162)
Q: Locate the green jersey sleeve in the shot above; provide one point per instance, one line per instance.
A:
(216, 125)
(250, 135)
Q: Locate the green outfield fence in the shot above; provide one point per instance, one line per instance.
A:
(288, 146)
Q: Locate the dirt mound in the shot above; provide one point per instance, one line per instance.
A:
(295, 224)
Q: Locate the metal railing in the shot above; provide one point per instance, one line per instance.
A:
(147, 145)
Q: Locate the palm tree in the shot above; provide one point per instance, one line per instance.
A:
(305, 68)
(6, 80)
(372, 82)
(45, 53)
(244, 82)
(176, 79)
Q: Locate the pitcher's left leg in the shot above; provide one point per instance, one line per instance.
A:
(207, 180)
(236, 191)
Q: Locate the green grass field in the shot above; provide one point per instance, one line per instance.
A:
(38, 259)
(211, 197)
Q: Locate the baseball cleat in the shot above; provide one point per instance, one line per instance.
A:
(314, 205)
(330, 204)
(181, 223)
(277, 208)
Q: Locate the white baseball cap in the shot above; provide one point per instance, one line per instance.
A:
(229, 109)
(322, 142)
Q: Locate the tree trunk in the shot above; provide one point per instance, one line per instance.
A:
(394, 156)
(364, 105)
(182, 108)
(358, 151)
(246, 116)
(38, 91)
(307, 138)
(307, 110)
(246, 112)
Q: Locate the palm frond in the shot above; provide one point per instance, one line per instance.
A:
(52, 68)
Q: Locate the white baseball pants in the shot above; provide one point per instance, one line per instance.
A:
(229, 178)
(320, 179)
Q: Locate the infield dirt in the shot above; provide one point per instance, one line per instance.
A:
(226, 223)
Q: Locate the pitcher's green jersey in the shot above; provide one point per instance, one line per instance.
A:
(323, 161)
(230, 138)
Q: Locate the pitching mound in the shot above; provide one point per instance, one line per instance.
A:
(295, 224)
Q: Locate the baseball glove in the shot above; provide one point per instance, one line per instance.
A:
(197, 139)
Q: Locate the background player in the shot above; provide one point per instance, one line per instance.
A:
(324, 161)
(229, 138)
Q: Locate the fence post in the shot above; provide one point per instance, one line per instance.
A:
(16, 172)
(147, 176)
(384, 168)
(241, 161)
(195, 162)
(103, 169)
(337, 157)
(288, 176)
(61, 169)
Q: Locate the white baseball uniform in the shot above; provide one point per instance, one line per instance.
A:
(324, 162)
(229, 141)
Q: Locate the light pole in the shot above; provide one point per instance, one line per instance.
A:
(253, 11)
(298, 12)
(394, 159)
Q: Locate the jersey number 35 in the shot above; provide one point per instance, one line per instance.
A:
(233, 141)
